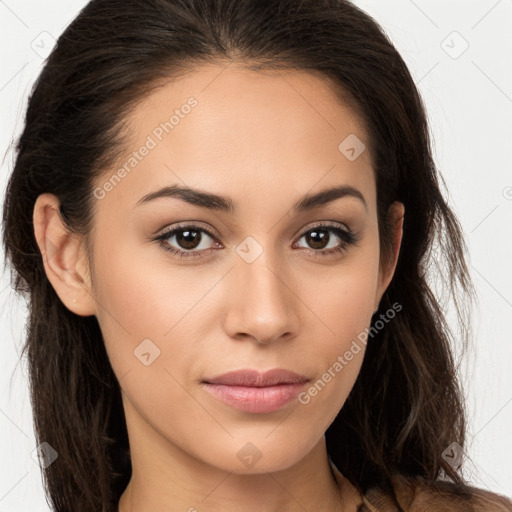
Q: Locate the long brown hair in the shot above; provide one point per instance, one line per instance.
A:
(406, 406)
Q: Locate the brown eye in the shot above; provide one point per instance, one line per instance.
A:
(326, 239)
(317, 238)
(186, 240)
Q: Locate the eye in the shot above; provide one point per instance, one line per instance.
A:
(190, 240)
(321, 241)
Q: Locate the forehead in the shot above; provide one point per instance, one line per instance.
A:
(245, 131)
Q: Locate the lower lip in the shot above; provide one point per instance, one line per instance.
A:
(253, 399)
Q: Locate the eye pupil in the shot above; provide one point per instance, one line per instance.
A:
(188, 239)
(317, 239)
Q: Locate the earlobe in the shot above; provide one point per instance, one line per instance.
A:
(64, 259)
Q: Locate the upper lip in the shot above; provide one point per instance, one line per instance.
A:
(256, 378)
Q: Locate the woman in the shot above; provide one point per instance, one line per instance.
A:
(222, 212)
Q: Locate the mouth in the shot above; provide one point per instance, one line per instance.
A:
(254, 391)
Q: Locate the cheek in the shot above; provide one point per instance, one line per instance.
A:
(143, 308)
(346, 298)
(352, 311)
(345, 318)
(343, 309)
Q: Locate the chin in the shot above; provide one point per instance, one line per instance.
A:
(252, 456)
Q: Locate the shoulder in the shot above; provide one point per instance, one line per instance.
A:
(415, 494)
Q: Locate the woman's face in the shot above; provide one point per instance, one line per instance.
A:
(267, 288)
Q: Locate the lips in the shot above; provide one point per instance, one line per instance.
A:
(256, 392)
(254, 378)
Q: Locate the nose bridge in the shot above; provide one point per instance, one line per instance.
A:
(262, 306)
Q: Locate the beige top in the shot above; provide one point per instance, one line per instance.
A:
(418, 495)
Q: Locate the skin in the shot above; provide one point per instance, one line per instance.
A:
(264, 140)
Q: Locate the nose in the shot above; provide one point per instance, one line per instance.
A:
(262, 305)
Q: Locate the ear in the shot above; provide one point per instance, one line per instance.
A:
(387, 269)
(64, 258)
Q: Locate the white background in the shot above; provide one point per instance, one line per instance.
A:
(469, 101)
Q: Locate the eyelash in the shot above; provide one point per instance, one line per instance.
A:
(348, 239)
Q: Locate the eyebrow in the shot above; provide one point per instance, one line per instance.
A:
(225, 204)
